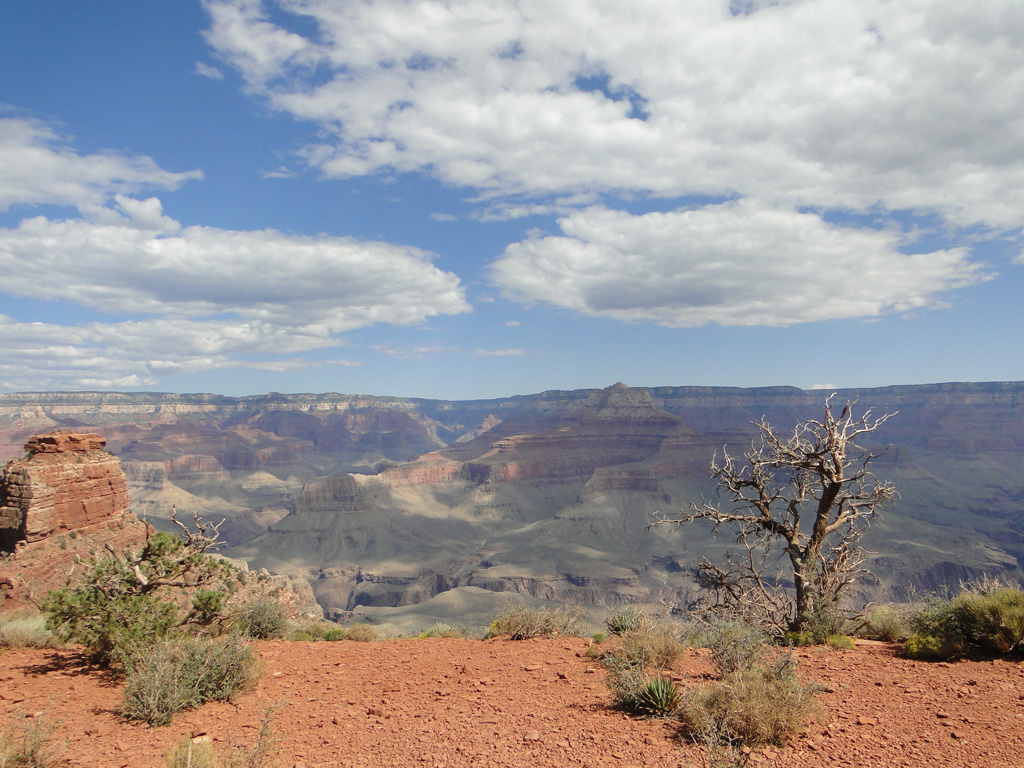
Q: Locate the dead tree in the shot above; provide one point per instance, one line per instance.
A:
(810, 494)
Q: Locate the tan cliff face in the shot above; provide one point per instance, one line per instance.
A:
(65, 483)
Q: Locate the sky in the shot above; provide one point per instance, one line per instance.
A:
(483, 198)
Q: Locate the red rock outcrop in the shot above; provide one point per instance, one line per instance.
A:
(66, 483)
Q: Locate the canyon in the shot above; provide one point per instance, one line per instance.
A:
(405, 511)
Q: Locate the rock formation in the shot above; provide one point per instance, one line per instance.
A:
(66, 483)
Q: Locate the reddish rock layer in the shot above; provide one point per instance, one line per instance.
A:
(66, 483)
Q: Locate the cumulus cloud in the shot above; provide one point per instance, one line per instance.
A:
(820, 103)
(200, 298)
(38, 167)
(147, 263)
(128, 354)
(737, 263)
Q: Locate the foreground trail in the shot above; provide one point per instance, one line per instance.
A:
(536, 704)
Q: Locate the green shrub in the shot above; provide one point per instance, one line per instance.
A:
(300, 637)
(840, 642)
(521, 622)
(334, 635)
(986, 620)
(600, 637)
(628, 618)
(109, 627)
(183, 673)
(752, 706)
(22, 629)
(30, 743)
(262, 618)
(134, 598)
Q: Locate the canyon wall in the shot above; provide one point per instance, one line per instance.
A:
(386, 502)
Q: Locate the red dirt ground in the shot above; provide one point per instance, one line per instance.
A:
(534, 703)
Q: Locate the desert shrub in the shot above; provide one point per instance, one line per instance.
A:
(108, 627)
(361, 633)
(137, 597)
(440, 629)
(654, 646)
(983, 620)
(735, 645)
(22, 629)
(752, 706)
(262, 618)
(334, 635)
(521, 622)
(600, 637)
(30, 743)
(183, 673)
(300, 637)
(885, 622)
(840, 642)
(316, 627)
(627, 618)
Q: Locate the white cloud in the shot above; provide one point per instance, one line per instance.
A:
(208, 298)
(734, 264)
(507, 352)
(38, 167)
(206, 70)
(144, 262)
(822, 103)
(513, 323)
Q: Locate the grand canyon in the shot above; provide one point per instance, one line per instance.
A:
(403, 511)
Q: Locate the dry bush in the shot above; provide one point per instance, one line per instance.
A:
(627, 618)
(520, 622)
(440, 629)
(885, 622)
(262, 618)
(361, 633)
(760, 705)
(180, 674)
(30, 743)
(655, 646)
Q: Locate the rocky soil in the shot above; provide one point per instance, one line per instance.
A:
(536, 704)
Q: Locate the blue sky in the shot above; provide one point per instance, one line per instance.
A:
(488, 198)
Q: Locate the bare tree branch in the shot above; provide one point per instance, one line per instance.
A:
(802, 490)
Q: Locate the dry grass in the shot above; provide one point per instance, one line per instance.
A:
(30, 743)
(25, 629)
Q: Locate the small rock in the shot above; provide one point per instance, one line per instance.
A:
(863, 720)
(531, 736)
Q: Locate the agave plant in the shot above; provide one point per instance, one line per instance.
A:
(657, 697)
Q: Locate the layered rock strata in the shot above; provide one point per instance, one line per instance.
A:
(65, 483)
